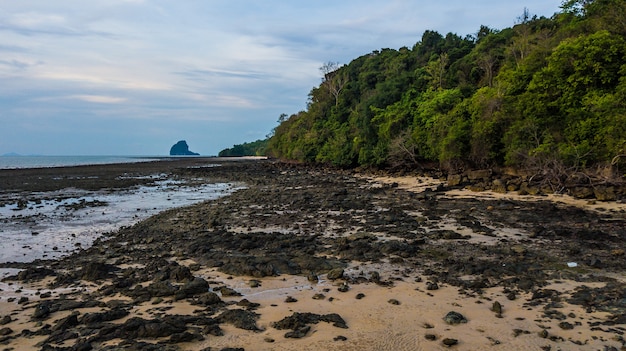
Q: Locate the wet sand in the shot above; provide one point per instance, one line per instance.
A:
(400, 258)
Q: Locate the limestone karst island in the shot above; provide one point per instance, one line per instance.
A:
(182, 149)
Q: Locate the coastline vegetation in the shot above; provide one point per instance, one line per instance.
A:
(545, 94)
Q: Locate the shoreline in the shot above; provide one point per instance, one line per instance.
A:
(298, 231)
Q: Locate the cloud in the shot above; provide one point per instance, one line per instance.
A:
(206, 74)
(101, 99)
(209, 69)
(37, 23)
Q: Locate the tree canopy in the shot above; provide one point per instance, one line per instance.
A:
(544, 89)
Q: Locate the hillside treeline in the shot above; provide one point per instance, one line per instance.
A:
(546, 93)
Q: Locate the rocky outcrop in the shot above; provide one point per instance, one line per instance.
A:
(182, 149)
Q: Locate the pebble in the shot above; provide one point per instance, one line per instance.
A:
(449, 342)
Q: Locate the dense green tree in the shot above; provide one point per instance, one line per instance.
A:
(546, 91)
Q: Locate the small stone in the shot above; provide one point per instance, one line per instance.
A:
(496, 307)
(319, 297)
(268, 339)
(254, 283)
(431, 337)
(394, 302)
(298, 333)
(543, 333)
(566, 326)
(432, 286)
(454, 318)
(290, 299)
(360, 296)
(344, 287)
(340, 338)
(449, 342)
(335, 274)
(511, 296)
(5, 320)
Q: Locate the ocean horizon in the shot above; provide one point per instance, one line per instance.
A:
(41, 161)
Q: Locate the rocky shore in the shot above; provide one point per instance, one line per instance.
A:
(308, 258)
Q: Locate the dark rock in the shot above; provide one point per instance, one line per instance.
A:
(511, 296)
(496, 307)
(6, 331)
(595, 263)
(99, 317)
(299, 320)
(449, 342)
(165, 270)
(430, 337)
(181, 149)
(213, 329)
(581, 192)
(241, 319)
(226, 291)
(290, 299)
(375, 277)
(454, 318)
(319, 296)
(137, 327)
(454, 179)
(432, 286)
(604, 193)
(60, 336)
(161, 289)
(42, 310)
(208, 299)
(94, 271)
(446, 235)
(66, 323)
(481, 174)
(185, 337)
(393, 302)
(498, 186)
(566, 325)
(344, 287)
(5, 320)
(298, 333)
(340, 338)
(335, 274)
(248, 305)
(31, 274)
(194, 287)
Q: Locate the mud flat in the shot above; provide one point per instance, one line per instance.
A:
(310, 258)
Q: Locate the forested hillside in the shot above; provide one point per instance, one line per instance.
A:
(548, 92)
(255, 148)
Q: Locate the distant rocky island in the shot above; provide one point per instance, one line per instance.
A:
(182, 149)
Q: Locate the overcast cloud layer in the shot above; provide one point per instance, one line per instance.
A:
(132, 77)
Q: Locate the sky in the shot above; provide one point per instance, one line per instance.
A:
(133, 77)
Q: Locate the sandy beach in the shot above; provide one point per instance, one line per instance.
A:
(304, 258)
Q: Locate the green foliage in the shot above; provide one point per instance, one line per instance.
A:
(255, 148)
(547, 88)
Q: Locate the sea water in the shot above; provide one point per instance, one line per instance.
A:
(54, 224)
(13, 162)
